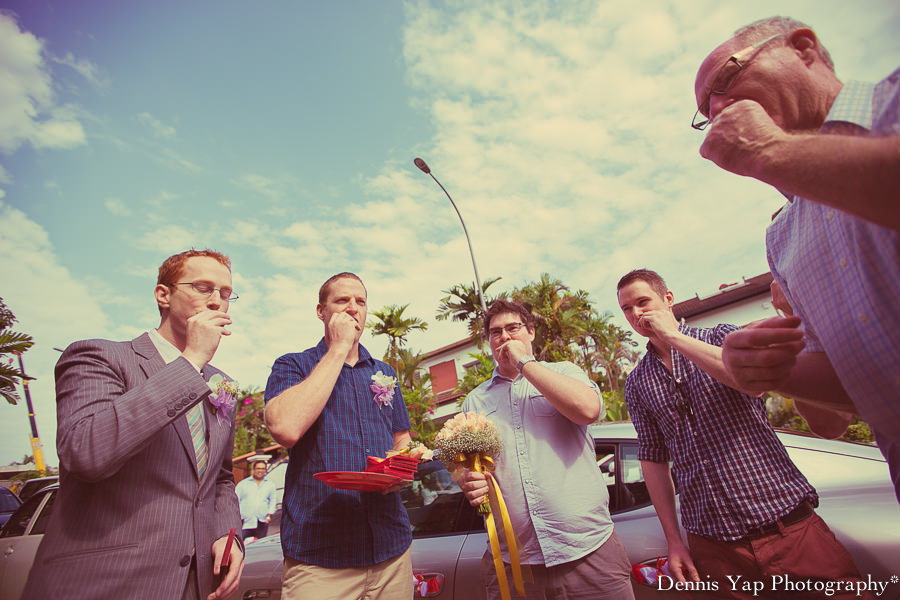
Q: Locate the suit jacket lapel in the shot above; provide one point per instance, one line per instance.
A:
(151, 363)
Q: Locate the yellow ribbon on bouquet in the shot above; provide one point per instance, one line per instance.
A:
(485, 464)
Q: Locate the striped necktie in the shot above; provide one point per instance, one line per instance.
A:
(195, 422)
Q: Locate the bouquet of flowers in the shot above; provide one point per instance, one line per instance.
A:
(469, 441)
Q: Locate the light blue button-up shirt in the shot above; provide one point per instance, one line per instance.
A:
(548, 474)
(841, 273)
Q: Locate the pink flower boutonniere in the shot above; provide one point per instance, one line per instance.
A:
(383, 386)
(223, 397)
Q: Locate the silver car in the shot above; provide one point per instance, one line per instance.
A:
(856, 499)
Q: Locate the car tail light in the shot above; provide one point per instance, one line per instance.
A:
(428, 585)
(648, 572)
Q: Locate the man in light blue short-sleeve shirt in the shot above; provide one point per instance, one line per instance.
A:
(547, 471)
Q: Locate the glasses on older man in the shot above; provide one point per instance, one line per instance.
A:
(725, 79)
(207, 289)
(511, 329)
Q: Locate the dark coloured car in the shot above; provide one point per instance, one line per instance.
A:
(9, 502)
(33, 485)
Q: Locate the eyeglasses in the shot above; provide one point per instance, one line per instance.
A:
(207, 289)
(682, 402)
(725, 78)
(511, 329)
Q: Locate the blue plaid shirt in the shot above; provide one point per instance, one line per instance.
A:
(321, 525)
(841, 273)
(732, 473)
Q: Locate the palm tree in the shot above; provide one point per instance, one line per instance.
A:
(392, 323)
(407, 368)
(11, 342)
(560, 316)
(462, 304)
(608, 349)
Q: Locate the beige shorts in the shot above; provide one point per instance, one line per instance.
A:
(388, 580)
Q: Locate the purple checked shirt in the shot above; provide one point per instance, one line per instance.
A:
(322, 525)
(732, 473)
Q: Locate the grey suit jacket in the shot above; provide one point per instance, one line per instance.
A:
(131, 509)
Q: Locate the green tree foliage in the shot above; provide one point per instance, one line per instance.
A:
(782, 413)
(250, 433)
(462, 304)
(391, 322)
(414, 385)
(11, 344)
(567, 327)
(476, 375)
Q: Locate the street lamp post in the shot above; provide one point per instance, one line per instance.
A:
(421, 164)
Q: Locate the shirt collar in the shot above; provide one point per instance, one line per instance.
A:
(364, 356)
(166, 349)
(496, 377)
(852, 105)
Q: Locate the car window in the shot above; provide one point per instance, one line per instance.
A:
(623, 475)
(40, 524)
(18, 522)
(435, 503)
(8, 502)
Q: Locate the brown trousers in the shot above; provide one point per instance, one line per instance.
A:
(794, 563)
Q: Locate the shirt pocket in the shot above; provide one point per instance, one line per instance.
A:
(539, 406)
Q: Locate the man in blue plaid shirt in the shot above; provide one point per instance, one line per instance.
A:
(746, 507)
(320, 404)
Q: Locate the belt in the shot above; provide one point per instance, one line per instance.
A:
(803, 511)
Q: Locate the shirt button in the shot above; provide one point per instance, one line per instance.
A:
(518, 427)
(185, 560)
(829, 215)
(864, 318)
(522, 452)
(843, 262)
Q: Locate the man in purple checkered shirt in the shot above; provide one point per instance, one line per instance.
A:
(746, 507)
(320, 404)
(780, 114)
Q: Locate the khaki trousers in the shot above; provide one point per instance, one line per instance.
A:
(388, 580)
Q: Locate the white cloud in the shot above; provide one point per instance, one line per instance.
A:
(168, 236)
(91, 72)
(117, 207)
(53, 306)
(159, 129)
(28, 110)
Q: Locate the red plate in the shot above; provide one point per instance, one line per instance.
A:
(364, 481)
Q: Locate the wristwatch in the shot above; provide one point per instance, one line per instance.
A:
(524, 361)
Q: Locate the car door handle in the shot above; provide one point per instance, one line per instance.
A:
(9, 551)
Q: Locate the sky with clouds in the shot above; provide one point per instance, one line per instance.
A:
(283, 134)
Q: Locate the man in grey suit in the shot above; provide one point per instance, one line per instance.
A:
(146, 497)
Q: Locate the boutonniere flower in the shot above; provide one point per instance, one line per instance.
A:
(383, 387)
(224, 396)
